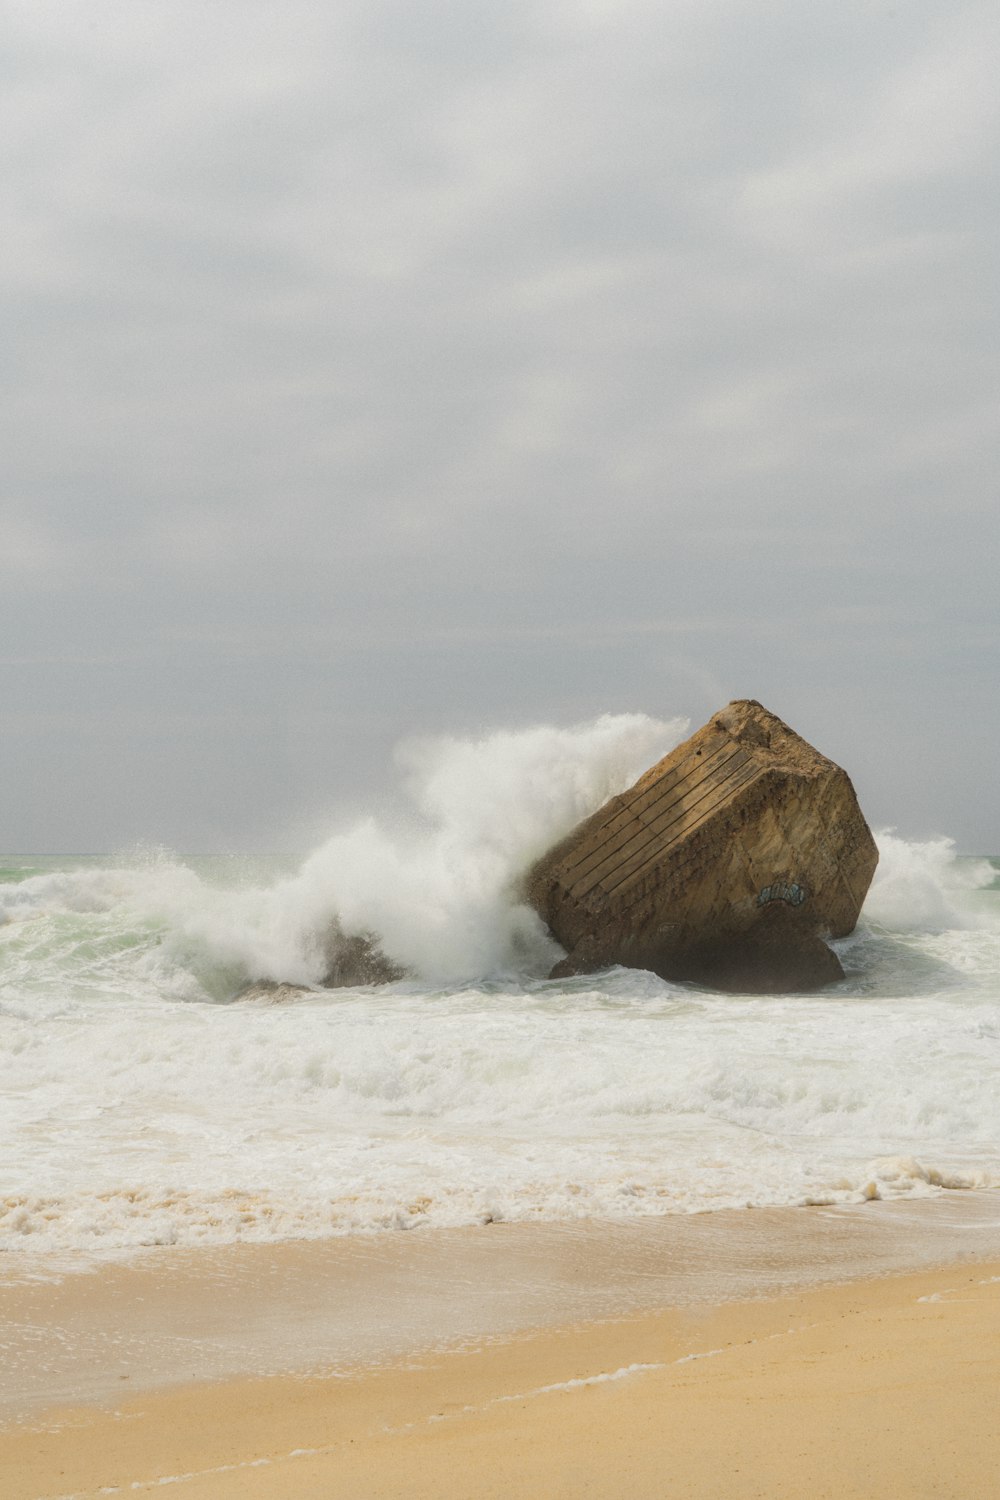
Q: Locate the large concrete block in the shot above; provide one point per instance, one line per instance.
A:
(728, 863)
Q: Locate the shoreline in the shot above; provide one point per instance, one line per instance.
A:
(73, 1330)
(381, 1368)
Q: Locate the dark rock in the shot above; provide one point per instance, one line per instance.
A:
(353, 959)
(272, 991)
(356, 959)
(780, 955)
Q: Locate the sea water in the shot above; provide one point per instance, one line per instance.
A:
(144, 1102)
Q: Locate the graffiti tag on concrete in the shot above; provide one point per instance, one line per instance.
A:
(794, 894)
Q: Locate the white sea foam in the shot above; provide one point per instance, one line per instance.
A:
(133, 1112)
(579, 1383)
(923, 886)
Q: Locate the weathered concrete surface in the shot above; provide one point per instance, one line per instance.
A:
(727, 863)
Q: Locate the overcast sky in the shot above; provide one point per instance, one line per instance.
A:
(381, 366)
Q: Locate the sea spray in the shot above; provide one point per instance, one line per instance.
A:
(924, 886)
(443, 900)
(440, 894)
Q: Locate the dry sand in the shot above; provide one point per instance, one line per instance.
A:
(885, 1386)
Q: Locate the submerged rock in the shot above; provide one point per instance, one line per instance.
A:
(728, 863)
(355, 959)
(271, 991)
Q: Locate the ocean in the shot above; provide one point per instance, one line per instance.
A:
(145, 1103)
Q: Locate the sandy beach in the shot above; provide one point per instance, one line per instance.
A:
(788, 1353)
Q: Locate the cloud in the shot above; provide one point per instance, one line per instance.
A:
(32, 553)
(443, 362)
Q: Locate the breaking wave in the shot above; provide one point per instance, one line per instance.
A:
(440, 892)
(925, 885)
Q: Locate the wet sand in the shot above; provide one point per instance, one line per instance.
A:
(797, 1352)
